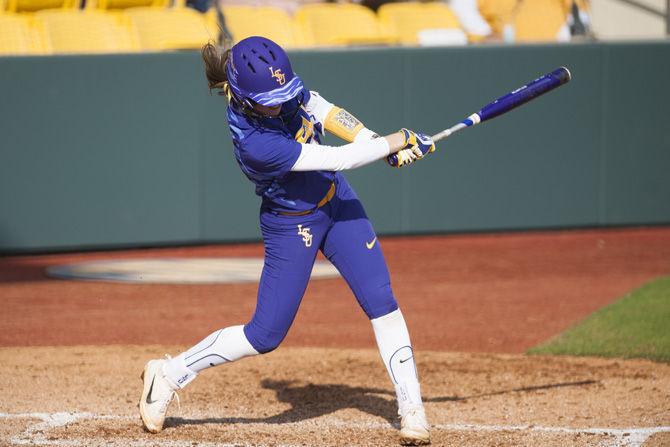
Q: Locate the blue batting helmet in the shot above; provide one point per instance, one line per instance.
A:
(259, 70)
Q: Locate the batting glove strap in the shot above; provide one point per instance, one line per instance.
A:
(421, 144)
(409, 138)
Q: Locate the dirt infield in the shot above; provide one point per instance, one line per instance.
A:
(72, 351)
(333, 397)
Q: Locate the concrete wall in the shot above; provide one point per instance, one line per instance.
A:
(612, 19)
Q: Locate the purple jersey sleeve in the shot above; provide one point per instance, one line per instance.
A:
(270, 154)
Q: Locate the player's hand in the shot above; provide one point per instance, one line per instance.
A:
(402, 158)
(420, 143)
(416, 146)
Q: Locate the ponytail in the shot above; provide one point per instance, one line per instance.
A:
(215, 59)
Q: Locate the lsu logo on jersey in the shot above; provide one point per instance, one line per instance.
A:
(306, 235)
(278, 75)
(306, 131)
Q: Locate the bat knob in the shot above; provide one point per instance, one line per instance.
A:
(392, 160)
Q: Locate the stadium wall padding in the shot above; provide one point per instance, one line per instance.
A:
(132, 150)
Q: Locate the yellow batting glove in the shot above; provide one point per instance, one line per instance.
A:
(416, 146)
(421, 144)
(403, 158)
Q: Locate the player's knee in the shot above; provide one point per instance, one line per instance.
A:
(378, 300)
(262, 339)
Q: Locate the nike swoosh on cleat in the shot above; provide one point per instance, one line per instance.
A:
(149, 401)
(371, 244)
(403, 361)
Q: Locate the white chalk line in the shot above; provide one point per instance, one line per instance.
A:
(35, 434)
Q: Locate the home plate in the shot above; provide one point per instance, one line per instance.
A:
(176, 270)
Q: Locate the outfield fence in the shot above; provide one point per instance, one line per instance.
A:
(131, 150)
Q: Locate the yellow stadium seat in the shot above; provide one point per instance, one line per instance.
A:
(539, 20)
(497, 13)
(246, 21)
(412, 22)
(19, 37)
(169, 29)
(85, 31)
(124, 4)
(336, 24)
(37, 5)
(536, 20)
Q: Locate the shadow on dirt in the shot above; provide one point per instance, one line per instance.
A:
(525, 389)
(311, 401)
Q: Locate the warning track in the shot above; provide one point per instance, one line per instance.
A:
(476, 293)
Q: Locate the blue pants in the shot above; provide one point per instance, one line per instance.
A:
(342, 231)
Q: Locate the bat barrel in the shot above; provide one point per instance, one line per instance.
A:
(505, 103)
(525, 93)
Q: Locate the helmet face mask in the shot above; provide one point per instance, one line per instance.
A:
(291, 107)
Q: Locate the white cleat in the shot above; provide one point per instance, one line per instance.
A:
(414, 428)
(156, 396)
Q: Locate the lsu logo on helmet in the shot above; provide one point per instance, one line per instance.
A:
(278, 75)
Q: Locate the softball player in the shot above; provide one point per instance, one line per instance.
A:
(307, 205)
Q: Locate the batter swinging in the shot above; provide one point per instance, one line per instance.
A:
(307, 206)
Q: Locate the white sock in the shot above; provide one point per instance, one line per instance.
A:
(223, 346)
(398, 357)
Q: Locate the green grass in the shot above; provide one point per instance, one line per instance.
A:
(636, 326)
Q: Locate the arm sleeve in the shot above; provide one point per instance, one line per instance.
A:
(318, 107)
(470, 18)
(315, 157)
(365, 134)
(336, 120)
